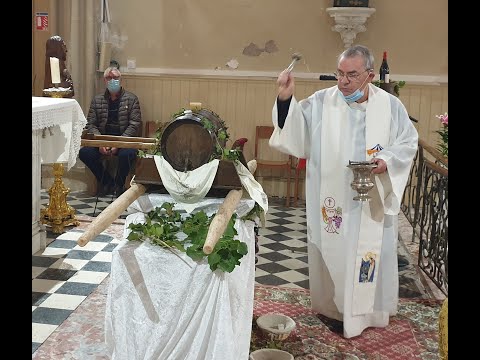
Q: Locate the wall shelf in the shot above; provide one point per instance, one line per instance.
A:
(349, 21)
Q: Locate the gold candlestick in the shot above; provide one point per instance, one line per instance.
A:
(58, 213)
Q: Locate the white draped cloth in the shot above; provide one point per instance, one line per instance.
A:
(188, 187)
(158, 308)
(352, 267)
(65, 121)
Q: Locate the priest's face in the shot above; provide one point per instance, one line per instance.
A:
(352, 75)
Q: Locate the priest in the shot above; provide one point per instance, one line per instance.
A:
(352, 245)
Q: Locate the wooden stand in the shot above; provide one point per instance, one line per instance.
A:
(226, 183)
(226, 178)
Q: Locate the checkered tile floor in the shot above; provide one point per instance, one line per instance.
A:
(64, 274)
(282, 258)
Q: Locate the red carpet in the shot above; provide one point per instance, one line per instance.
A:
(411, 334)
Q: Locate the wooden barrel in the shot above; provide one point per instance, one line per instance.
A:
(190, 139)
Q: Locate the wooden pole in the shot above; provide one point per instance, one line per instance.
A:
(111, 213)
(118, 138)
(117, 144)
(220, 221)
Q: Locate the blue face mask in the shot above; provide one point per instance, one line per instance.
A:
(113, 85)
(356, 95)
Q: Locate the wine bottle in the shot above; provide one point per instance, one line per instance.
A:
(384, 69)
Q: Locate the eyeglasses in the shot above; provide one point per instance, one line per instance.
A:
(351, 76)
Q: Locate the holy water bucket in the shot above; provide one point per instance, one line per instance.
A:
(362, 180)
(191, 139)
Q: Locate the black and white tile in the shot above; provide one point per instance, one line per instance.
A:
(64, 274)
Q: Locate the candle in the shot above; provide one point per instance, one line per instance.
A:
(55, 70)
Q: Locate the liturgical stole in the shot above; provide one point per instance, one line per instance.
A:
(332, 188)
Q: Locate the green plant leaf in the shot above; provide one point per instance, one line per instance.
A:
(214, 259)
(195, 253)
(222, 135)
(242, 248)
(133, 236)
(163, 224)
(158, 231)
(227, 265)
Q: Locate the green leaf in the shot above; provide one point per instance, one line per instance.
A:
(158, 230)
(230, 231)
(254, 213)
(227, 265)
(135, 226)
(213, 259)
(222, 135)
(242, 248)
(195, 253)
(178, 245)
(133, 236)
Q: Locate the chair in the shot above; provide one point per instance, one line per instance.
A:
(264, 161)
(301, 165)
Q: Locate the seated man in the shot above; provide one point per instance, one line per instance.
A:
(116, 112)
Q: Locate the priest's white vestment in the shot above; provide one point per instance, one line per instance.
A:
(352, 245)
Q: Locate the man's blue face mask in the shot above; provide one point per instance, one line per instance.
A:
(113, 85)
(356, 95)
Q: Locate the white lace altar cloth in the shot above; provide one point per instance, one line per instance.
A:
(160, 308)
(65, 118)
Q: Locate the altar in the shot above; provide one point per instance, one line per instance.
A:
(57, 126)
(162, 305)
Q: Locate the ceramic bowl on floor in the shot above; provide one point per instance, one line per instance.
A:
(270, 354)
(277, 326)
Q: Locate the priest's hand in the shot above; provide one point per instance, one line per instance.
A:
(286, 85)
(113, 151)
(381, 166)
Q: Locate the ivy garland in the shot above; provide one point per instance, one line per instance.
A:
(163, 225)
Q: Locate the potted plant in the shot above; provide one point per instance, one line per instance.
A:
(393, 87)
(443, 132)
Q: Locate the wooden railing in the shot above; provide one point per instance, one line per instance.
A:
(425, 205)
